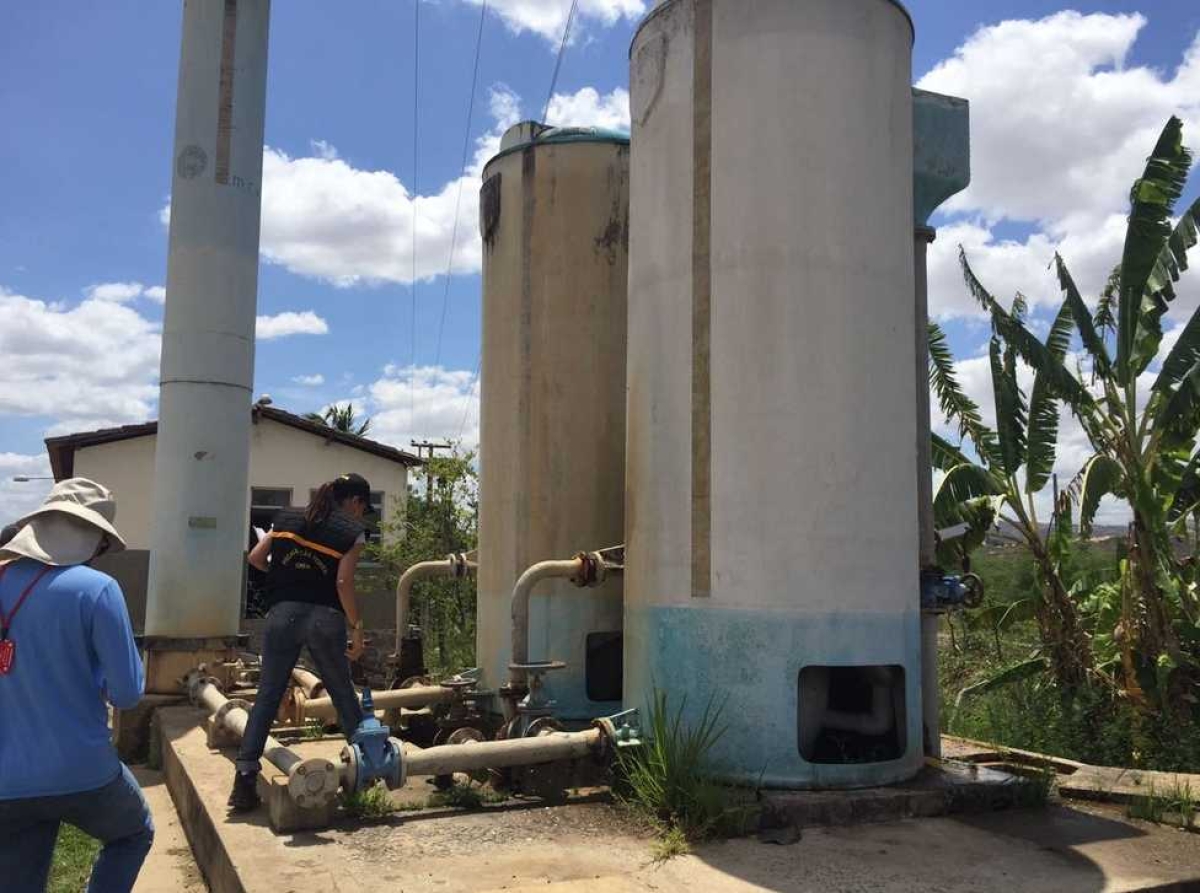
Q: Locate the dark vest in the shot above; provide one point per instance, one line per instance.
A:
(304, 561)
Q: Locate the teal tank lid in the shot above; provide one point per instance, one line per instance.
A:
(533, 133)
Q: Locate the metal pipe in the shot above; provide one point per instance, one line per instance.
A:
(471, 756)
(310, 782)
(545, 570)
(411, 698)
(311, 683)
(927, 541)
(456, 565)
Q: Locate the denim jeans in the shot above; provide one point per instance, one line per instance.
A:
(116, 815)
(290, 627)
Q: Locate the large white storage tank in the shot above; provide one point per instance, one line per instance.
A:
(771, 497)
(554, 217)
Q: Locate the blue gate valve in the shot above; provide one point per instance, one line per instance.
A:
(372, 754)
(944, 592)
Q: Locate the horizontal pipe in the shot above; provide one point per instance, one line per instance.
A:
(309, 781)
(471, 756)
(544, 570)
(311, 684)
(411, 698)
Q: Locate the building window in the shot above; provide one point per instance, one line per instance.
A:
(270, 497)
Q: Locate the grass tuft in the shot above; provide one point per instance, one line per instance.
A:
(74, 853)
(373, 803)
(671, 842)
(465, 796)
(666, 779)
(1176, 806)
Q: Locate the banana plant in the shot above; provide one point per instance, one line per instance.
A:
(1143, 434)
(1015, 462)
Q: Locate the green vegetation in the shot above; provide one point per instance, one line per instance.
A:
(373, 803)
(433, 525)
(465, 796)
(73, 856)
(670, 843)
(667, 781)
(1176, 806)
(1086, 652)
(341, 418)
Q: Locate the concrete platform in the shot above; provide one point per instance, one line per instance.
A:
(588, 846)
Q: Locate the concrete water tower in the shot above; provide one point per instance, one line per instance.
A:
(771, 496)
(554, 218)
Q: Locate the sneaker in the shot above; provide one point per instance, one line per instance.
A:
(245, 792)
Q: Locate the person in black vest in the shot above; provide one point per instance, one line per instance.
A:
(309, 557)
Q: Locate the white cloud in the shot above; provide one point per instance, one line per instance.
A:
(19, 498)
(310, 381)
(283, 325)
(588, 108)
(548, 18)
(429, 402)
(96, 362)
(1061, 127)
(123, 292)
(325, 218)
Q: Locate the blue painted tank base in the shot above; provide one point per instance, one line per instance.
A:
(750, 662)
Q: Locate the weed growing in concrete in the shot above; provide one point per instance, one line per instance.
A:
(666, 779)
(1177, 806)
(1040, 783)
(465, 796)
(671, 842)
(373, 803)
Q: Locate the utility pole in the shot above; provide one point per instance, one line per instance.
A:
(420, 446)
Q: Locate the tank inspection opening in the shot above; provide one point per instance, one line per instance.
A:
(851, 714)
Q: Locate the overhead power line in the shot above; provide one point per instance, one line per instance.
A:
(437, 357)
(558, 61)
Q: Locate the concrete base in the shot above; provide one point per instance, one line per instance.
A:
(283, 813)
(589, 846)
(131, 728)
(168, 661)
(941, 789)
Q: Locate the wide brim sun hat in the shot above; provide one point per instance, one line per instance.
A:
(81, 500)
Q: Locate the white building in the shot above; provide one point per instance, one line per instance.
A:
(290, 457)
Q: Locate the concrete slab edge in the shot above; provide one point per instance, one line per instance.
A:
(199, 824)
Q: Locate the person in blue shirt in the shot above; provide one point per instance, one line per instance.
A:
(66, 647)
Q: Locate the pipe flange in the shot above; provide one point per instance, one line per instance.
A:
(313, 783)
(543, 725)
(231, 704)
(349, 759)
(196, 680)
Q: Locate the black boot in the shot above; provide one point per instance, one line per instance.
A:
(245, 792)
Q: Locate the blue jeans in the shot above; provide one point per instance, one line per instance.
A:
(116, 815)
(290, 627)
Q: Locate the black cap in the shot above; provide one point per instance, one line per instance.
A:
(348, 485)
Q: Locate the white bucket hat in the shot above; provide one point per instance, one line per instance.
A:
(69, 526)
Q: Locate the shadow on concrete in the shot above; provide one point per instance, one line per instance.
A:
(1053, 828)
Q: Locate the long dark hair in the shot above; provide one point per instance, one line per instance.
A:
(321, 506)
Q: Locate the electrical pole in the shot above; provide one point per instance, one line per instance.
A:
(420, 446)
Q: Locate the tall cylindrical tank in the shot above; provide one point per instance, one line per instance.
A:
(202, 455)
(554, 217)
(771, 495)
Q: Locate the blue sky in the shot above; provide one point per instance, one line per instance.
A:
(1064, 108)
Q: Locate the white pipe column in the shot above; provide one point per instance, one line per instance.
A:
(926, 543)
(201, 486)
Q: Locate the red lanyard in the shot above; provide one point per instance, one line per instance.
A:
(6, 620)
